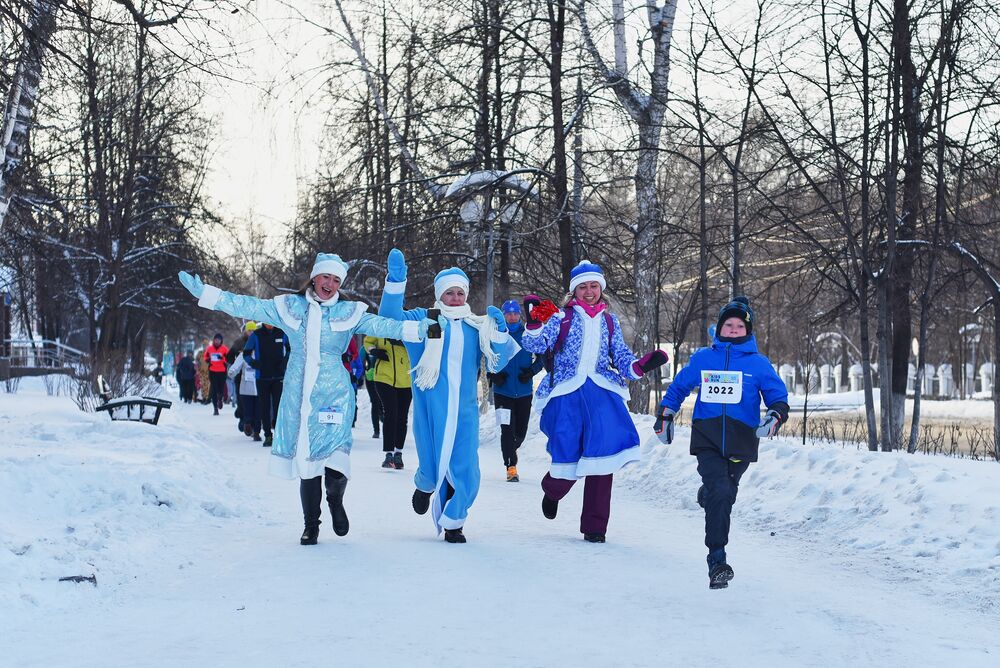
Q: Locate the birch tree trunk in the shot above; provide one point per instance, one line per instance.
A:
(22, 97)
(646, 111)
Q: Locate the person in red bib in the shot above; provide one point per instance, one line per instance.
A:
(215, 355)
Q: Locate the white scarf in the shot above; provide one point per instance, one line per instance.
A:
(429, 367)
(313, 323)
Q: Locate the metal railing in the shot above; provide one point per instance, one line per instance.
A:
(44, 354)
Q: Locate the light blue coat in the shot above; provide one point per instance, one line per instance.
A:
(446, 416)
(303, 446)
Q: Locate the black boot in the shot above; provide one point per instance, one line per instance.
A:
(454, 535)
(421, 501)
(309, 536)
(594, 537)
(311, 494)
(336, 485)
(549, 507)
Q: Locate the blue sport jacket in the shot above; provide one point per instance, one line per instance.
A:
(729, 428)
(512, 387)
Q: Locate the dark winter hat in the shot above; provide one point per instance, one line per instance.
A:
(218, 335)
(738, 308)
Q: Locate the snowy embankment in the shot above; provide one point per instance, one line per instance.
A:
(917, 517)
(85, 496)
(195, 552)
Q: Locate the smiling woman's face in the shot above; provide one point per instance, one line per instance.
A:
(325, 286)
(453, 297)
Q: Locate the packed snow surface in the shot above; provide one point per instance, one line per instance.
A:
(841, 557)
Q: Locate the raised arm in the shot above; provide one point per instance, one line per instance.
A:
(394, 291)
(240, 306)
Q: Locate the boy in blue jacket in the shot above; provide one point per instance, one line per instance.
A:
(512, 388)
(731, 378)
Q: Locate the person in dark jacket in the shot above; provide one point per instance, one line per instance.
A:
(185, 374)
(266, 352)
(512, 389)
(726, 428)
(392, 384)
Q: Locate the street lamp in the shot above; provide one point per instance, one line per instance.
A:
(485, 198)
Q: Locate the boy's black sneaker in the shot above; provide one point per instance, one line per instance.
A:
(594, 537)
(421, 501)
(397, 459)
(454, 536)
(719, 576)
(309, 536)
(388, 463)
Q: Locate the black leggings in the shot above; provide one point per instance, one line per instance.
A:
(218, 390)
(377, 410)
(513, 426)
(396, 405)
(268, 398)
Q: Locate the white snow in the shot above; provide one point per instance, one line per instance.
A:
(876, 559)
(958, 409)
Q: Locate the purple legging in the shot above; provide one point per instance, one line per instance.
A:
(596, 499)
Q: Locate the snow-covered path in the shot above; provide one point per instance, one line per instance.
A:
(234, 588)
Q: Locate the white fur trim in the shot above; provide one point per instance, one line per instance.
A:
(456, 347)
(449, 523)
(332, 267)
(595, 465)
(280, 303)
(411, 331)
(209, 297)
(449, 281)
(394, 287)
(500, 337)
(588, 276)
(351, 321)
(290, 469)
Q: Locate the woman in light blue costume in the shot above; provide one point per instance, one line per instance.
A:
(445, 402)
(313, 434)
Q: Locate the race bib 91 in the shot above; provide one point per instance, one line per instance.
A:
(721, 387)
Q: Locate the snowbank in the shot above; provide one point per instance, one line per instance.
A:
(915, 516)
(85, 496)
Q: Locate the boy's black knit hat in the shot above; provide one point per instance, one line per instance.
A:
(738, 308)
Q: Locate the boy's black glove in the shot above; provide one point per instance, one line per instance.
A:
(525, 376)
(664, 425)
(499, 378)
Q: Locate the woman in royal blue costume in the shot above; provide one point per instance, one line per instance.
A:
(582, 401)
(445, 398)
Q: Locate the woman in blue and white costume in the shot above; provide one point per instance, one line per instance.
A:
(445, 402)
(313, 434)
(582, 401)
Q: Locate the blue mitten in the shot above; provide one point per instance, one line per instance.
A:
(497, 315)
(192, 283)
(397, 266)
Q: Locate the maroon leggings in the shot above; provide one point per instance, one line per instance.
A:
(596, 499)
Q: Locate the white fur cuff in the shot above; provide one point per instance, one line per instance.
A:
(500, 337)
(394, 288)
(210, 296)
(411, 331)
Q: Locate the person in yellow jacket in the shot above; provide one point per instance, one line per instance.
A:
(392, 382)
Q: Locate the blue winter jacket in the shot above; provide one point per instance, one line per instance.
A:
(524, 360)
(729, 428)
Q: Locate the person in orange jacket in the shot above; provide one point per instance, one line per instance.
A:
(215, 355)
